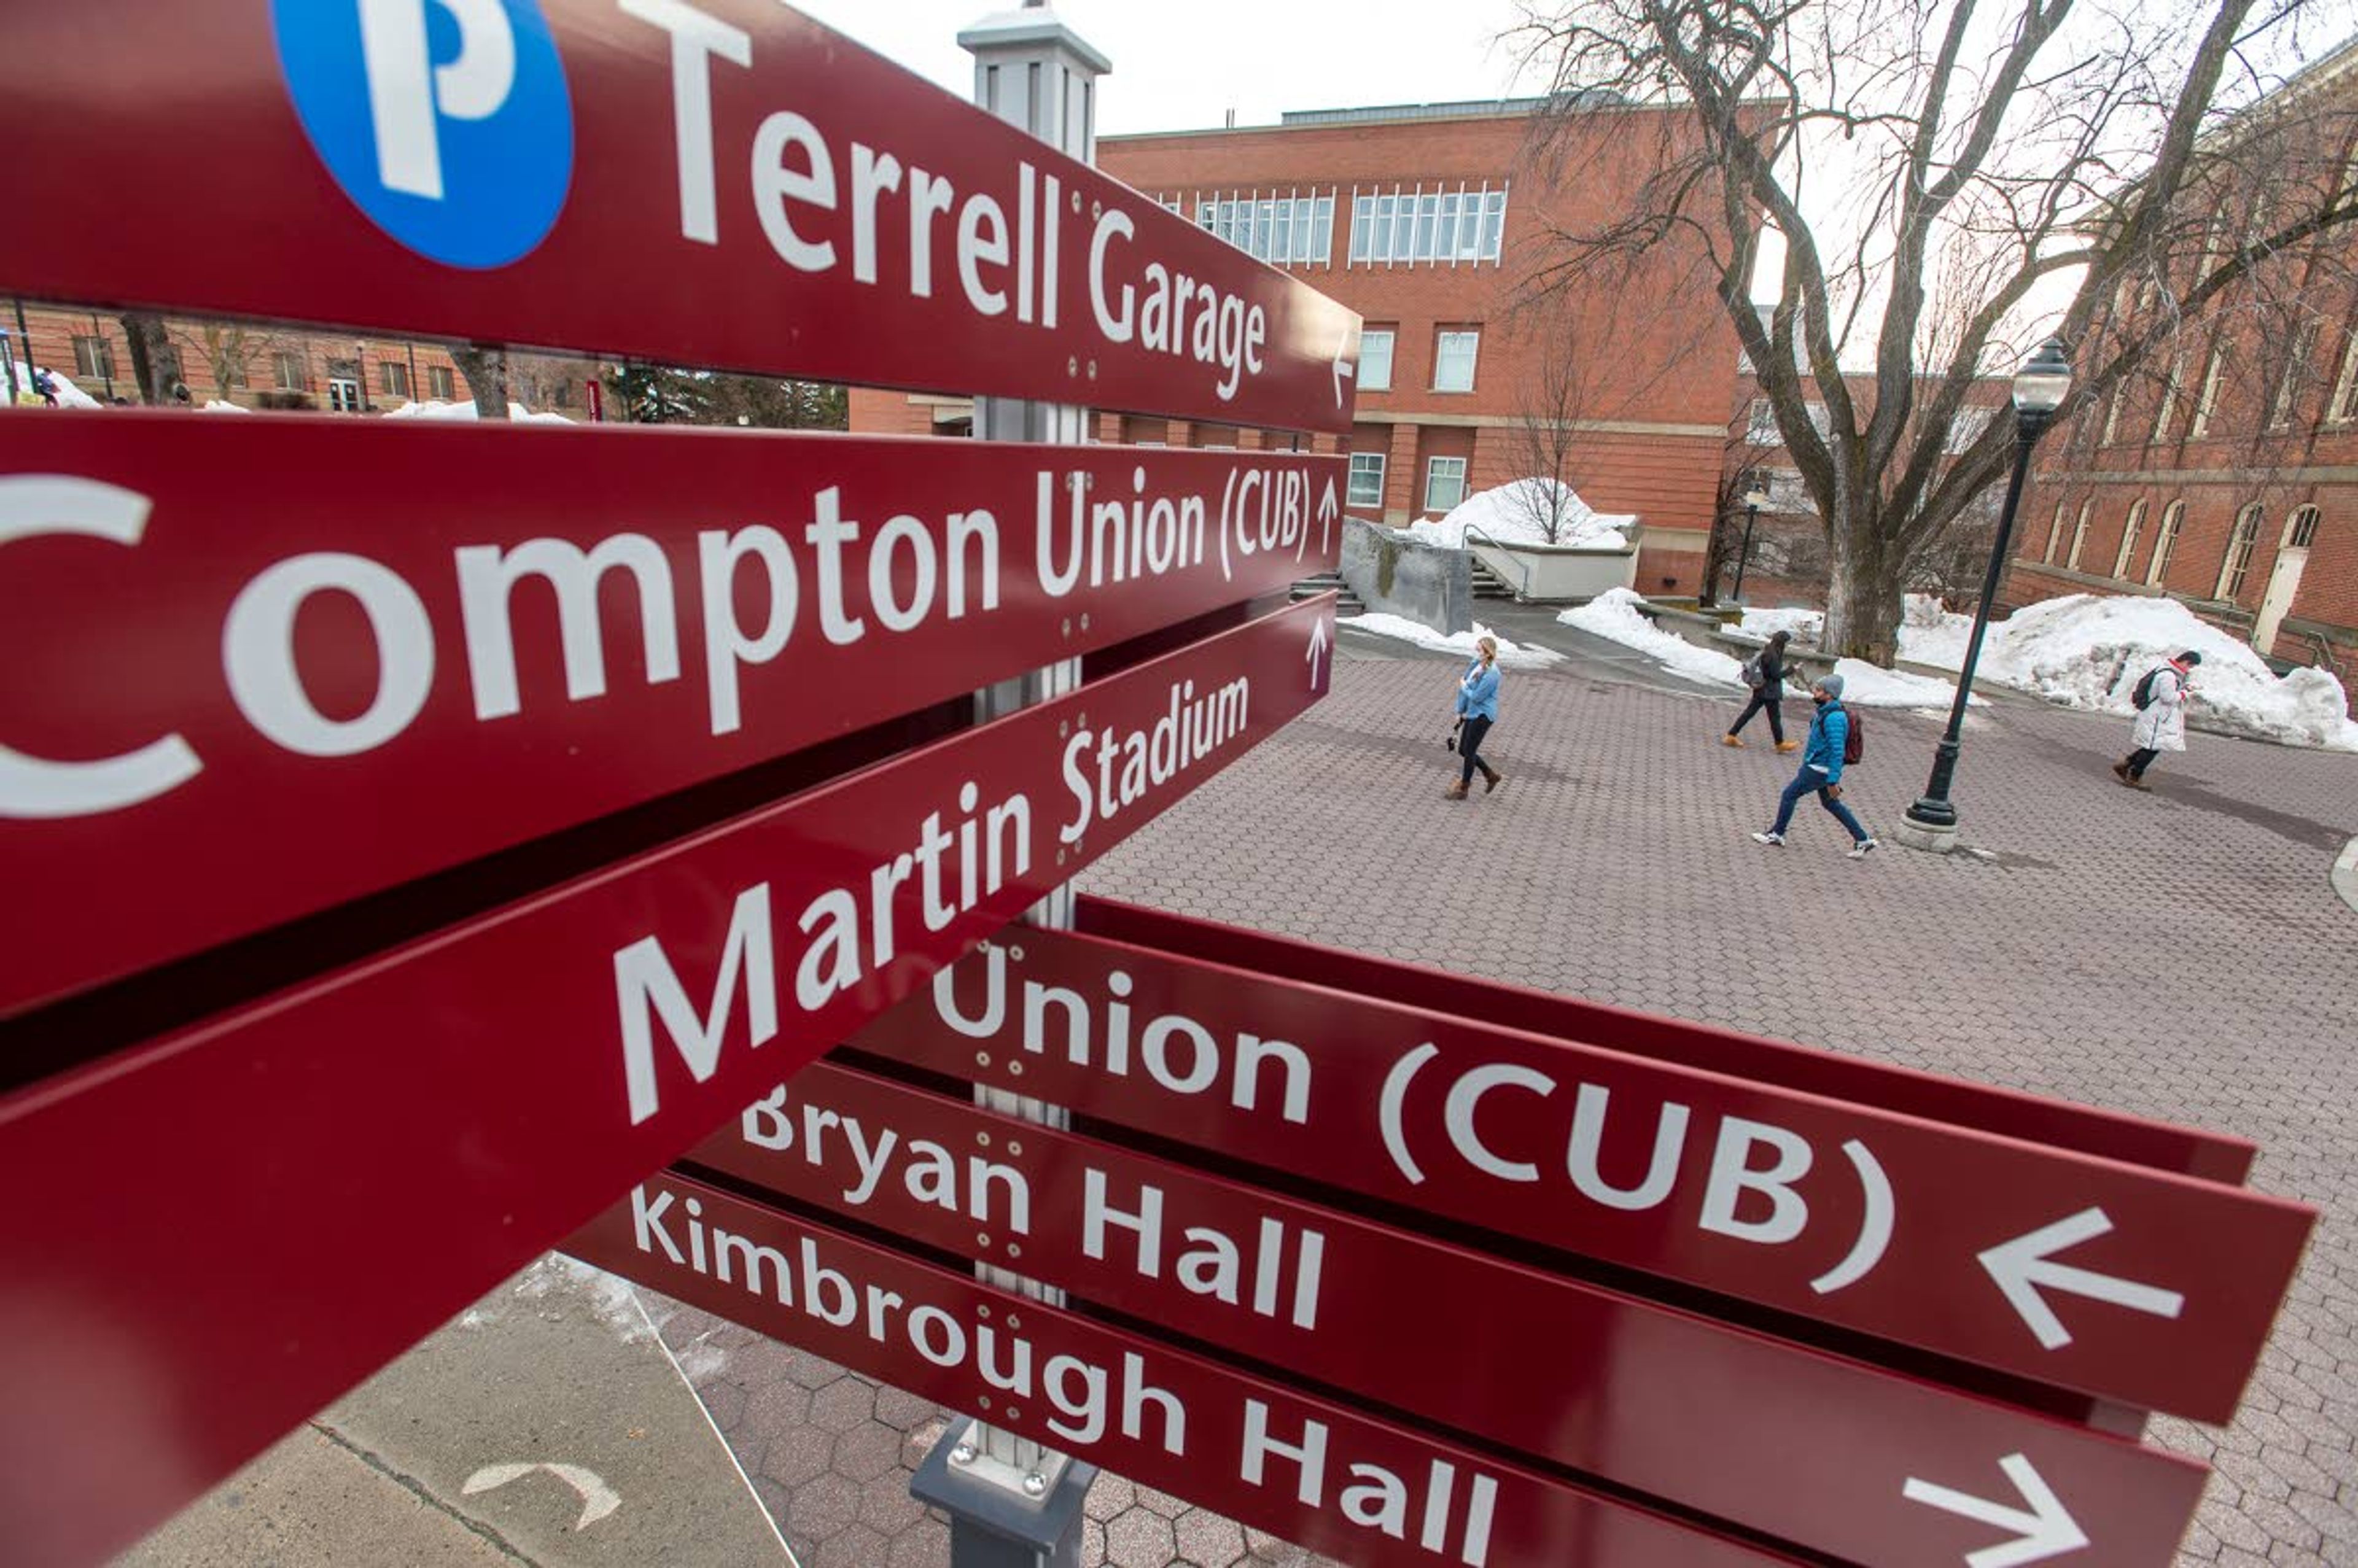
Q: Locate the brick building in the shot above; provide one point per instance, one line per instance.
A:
(2227, 476)
(1433, 222)
(279, 367)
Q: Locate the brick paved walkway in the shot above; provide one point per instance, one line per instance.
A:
(2180, 955)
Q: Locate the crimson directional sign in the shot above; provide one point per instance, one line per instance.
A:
(1824, 1453)
(465, 637)
(1373, 1493)
(2126, 1283)
(244, 1219)
(723, 184)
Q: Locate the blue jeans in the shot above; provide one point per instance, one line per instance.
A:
(1805, 781)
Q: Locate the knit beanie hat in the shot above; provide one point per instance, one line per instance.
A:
(1831, 685)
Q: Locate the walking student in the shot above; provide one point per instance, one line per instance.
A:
(1822, 770)
(2161, 698)
(1477, 710)
(1764, 674)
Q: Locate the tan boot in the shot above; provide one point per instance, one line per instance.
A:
(1455, 791)
(1788, 745)
(1731, 741)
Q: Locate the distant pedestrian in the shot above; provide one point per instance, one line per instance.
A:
(1477, 710)
(1764, 674)
(44, 386)
(1822, 769)
(2161, 698)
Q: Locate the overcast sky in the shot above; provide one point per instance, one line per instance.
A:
(1183, 67)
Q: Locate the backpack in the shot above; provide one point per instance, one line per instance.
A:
(2143, 696)
(1752, 674)
(1854, 740)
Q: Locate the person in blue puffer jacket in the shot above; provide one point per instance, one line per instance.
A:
(1477, 710)
(1821, 767)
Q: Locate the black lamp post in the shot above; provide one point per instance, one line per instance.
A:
(1754, 500)
(360, 370)
(2039, 388)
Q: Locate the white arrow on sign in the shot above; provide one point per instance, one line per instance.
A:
(2022, 1266)
(1317, 649)
(598, 1499)
(1344, 371)
(1328, 509)
(2047, 1529)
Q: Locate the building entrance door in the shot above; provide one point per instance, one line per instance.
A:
(343, 395)
(2283, 583)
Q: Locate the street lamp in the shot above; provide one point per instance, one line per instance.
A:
(2039, 388)
(1754, 500)
(360, 370)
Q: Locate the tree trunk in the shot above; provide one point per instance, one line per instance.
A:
(1865, 583)
(151, 356)
(486, 370)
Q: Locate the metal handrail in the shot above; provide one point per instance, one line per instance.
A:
(1523, 588)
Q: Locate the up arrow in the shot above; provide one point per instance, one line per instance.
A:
(2047, 1529)
(1344, 371)
(2022, 1266)
(1317, 649)
(1327, 510)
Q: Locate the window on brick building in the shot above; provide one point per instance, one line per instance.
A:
(2166, 415)
(2207, 404)
(2113, 414)
(2303, 531)
(1444, 483)
(1452, 226)
(2054, 535)
(1453, 361)
(2080, 535)
(2237, 564)
(1376, 359)
(1286, 230)
(2165, 542)
(2345, 404)
(2129, 532)
(1367, 479)
(560, 394)
(286, 369)
(2288, 390)
(441, 382)
(392, 379)
(93, 358)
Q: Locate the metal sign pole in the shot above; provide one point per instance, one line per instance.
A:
(1012, 1502)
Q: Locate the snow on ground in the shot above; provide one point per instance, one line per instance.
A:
(69, 394)
(1803, 624)
(1616, 615)
(2089, 651)
(434, 409)
(1511, 512)
(1512, 655)
(1613, 615)
(223, 406)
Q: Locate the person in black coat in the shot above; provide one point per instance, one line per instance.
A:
(1767, 693)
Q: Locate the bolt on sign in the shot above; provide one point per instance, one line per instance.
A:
(493, 634)
(723, 184)
(1367, 1490)
(494, 1084)
(1813, 1449)
(2123, 1283)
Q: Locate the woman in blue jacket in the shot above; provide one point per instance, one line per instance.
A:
(1477, 710)
(1821, 767)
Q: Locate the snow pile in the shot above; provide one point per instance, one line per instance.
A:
(1614, 615)
(2089, 651)
(1868, 686)
(69, 394)
(1512, 655)
(1802, 625)
(223, 406)
(1512, 513)
(434, 409)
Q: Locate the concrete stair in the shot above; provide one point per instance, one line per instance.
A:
(1489, 584)
(1310, 587)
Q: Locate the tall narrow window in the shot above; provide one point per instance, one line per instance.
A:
(2080, 535)
(1444, 483)
(2166, 415)
(1453, 361)
(2165, 542)
(2303, 531)
(2345, 404)
(2237, 564)
(2288, 390)
(2113, 412)
(2129, 531)
(2208, 403)
(2054, 535)
(441, 382)
(1376, 359)
(289, 370)
(93, 358)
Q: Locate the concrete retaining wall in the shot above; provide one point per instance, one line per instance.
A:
(1400, 576)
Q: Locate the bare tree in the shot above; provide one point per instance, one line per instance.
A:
(227, 347)
(155, 364)
(2135, 160)
(1547, 438)
(485, 366)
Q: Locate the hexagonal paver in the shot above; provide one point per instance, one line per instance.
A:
(799, 1455)
(857, 1547)
(926, 1544)
(905, 1411)
(824, 1507)
(843, 1404)
(867, 1451)
(1209, 1541)
(1137, 1537)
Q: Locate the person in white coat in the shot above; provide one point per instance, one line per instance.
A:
(2161, 723)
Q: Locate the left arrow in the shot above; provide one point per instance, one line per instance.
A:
(2045, 1529)
(2025, 1267)
(598, 1499)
